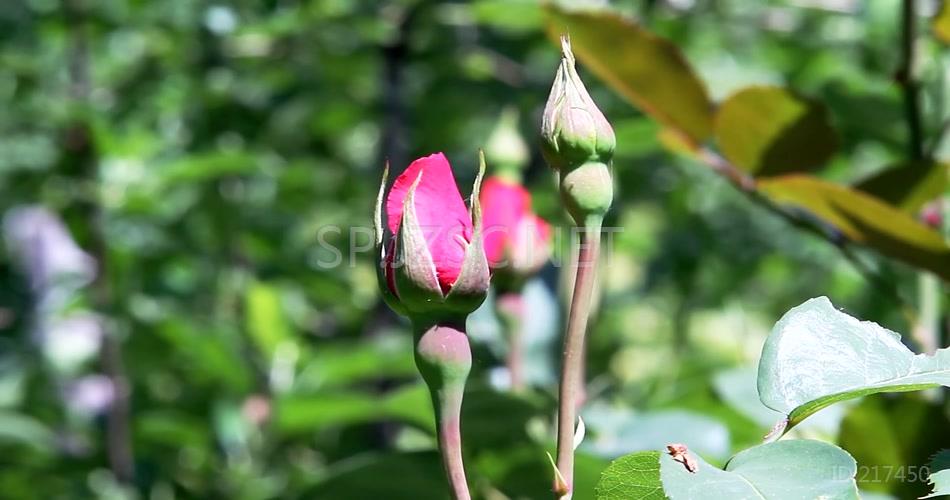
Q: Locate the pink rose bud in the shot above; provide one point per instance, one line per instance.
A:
(432, 260)
(932, 214)
(517, 242)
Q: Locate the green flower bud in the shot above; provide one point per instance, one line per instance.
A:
(506, 149)
(579, 143)
(573, 130)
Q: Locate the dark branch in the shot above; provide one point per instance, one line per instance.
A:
(905, 78)
(118, 435)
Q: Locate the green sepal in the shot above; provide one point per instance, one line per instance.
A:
(388, 297)
(573, 129)
(471, 287)
(587, 191)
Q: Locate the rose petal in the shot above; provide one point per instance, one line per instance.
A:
(531, 246)
(441, 212)
(504, 204)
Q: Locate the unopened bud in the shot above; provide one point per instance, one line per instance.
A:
(432, 260)
(579, 143)
(573, 129)
(506, 149)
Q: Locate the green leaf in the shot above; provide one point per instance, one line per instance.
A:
(297, 415)
(941, 483)
(646, 69)
(523, 470)
(209, 355)
(515, 16)
(941, 23)
(782, 470)
(343, 363)
(906, 430)
(939, 474)
(173, 428)
(303, 415)
(909, 186)
(863, 219)
(22, 429)
(266, 321)
(940, 461)
(412, 405)
(482, 426)
(201, 167)
(817, 355)
(396, 476)
(633, 477)
(768, 131)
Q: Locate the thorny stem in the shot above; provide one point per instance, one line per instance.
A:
(927, 327)
(572, 369)
(905, 78)
(928, 324)
(510, 307)
(444, 359)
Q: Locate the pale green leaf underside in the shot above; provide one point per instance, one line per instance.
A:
(940, 474)
(817, 356)
(774, 471)
(941, 483)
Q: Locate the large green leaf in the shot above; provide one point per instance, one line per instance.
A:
(782, 470)
(908, 186)
(817, 355)
(395, 476)
(296, 415)
(342, 363)
(779, 471)
(771, 130)
(863, 219)
(635, 476)
(412, 405)
(646, 69)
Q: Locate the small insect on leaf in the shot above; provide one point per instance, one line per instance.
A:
(681, 454)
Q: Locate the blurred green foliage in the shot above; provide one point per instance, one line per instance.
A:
(219, 161)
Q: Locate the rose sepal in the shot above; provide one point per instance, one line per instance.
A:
(381, 252)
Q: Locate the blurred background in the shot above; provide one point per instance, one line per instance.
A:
(188, 301)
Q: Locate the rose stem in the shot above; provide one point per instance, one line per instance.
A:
(572, 376)
(444, 358)
(511, 310)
